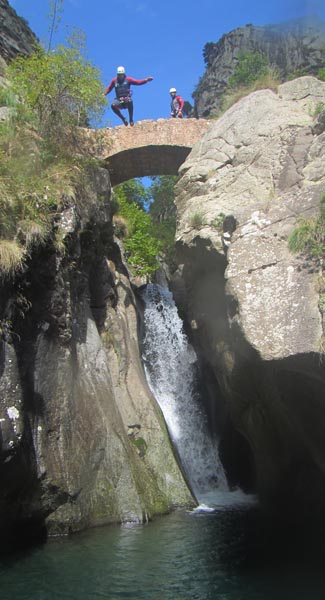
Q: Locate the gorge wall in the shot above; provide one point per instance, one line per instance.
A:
(82, 439)
(255, 310)
(16, 36)
(295, 47)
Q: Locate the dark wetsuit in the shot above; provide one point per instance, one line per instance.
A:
(123, 95)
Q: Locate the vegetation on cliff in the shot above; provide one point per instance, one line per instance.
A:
(308, 238)
(292, 49)
(47, 96)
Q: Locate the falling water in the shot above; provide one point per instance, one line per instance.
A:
(171, 366)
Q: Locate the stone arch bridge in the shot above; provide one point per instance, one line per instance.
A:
(149, 148)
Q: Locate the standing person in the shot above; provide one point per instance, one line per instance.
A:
(123, 100)
(176, 105)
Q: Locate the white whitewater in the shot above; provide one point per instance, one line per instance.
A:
(171, 366)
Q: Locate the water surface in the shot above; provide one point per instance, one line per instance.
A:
(224, 555)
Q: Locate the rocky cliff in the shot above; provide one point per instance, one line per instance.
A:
(293, 47)
(16, 36)
(82, 440)
(256, 311)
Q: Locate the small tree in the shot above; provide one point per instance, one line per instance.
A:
(135, 192)
(56, 9)
(208, 51)
(56, 91)
(141, 245)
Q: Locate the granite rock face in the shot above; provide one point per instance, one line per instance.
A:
(255, 309)
(291, 47)
(16, 36)
(82, 439)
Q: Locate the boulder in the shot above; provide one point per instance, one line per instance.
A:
(256, 307)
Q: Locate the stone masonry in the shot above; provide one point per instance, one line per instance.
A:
(149, 148)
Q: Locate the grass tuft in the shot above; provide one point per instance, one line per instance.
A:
(269, 80)
(11, 256)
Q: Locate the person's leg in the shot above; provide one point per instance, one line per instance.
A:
(130, 109)
(116, 109)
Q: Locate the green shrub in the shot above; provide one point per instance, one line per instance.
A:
(218, 221)
(250, 66)
(196, 220)
(141, 245)
(270, 79)
(57, 91)
(163, 212)
(318, 109)
(309, 235)
(49, 95)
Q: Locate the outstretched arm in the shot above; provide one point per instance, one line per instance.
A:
(139, 81)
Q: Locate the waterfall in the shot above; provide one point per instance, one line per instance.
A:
(171, 369)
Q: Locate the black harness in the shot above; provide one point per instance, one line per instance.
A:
(123, 91)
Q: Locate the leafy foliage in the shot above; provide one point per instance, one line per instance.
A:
(250, 66)
(207, 51)
(56, 91)
(46, 95)
(136, 193)
(141, 246)
(269, 80)
(218, 221)
(188, 109)
(163, 212)
(148, 230)
(161, 192)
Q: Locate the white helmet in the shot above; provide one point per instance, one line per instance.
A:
(172, 90)
(120, 71)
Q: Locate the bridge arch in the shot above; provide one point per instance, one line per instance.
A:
(149, 148)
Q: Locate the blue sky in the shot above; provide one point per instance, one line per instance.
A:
(161, 38)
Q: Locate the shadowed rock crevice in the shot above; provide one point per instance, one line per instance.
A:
(145, 162)
(269, 415)
(205, 307)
